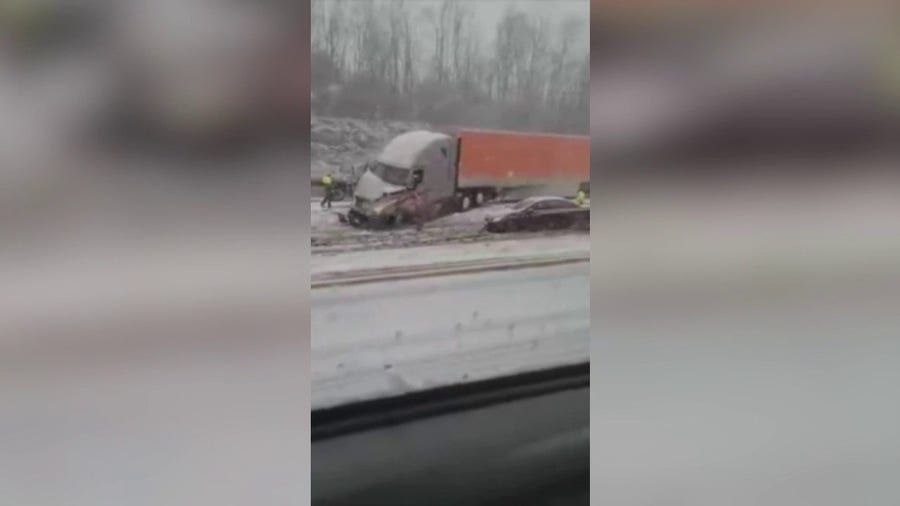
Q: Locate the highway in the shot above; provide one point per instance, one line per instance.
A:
(388, 338)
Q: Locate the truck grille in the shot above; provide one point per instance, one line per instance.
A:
(362, 202)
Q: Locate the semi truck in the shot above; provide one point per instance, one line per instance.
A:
(425, 174)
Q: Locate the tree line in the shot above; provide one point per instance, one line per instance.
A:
(398, 59)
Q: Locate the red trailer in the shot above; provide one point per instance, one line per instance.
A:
(499, 159)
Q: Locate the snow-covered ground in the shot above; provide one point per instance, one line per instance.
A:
(329, 235)
(471, 217)
(335, 142)
(425, 255)
(321, 219)
(385, 339)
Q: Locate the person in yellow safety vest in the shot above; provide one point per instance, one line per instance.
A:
(328, 183)
(580, 197)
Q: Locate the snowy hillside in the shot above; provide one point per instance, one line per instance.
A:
(339, 141)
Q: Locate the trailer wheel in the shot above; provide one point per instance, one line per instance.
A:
(465, 202)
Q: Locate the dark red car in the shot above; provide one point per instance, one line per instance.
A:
(540, 213)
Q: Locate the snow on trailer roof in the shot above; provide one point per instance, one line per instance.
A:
(402, 150)
(454, 130)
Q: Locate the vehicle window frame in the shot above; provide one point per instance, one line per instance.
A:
(382, 169)
(418, 169)
(522, 205)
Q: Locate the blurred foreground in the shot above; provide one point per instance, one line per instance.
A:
(153, 333)
(745, 254)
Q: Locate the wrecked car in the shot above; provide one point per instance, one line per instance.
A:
(540, 213)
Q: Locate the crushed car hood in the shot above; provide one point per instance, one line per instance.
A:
(371, 187)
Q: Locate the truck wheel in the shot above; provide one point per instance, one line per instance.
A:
(338, 194)
(479, 198)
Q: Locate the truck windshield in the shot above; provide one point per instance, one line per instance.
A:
(389, 174)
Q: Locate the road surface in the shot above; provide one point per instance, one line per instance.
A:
(330, 235)
(390, 338)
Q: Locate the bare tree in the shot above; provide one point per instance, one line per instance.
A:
(537, 73)
(457, 21)
(437, 22)
(504, 53)
(473, 76)
(399, 35)
(409, 74)
(568, 30)
(536, 77)
(369, 41)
